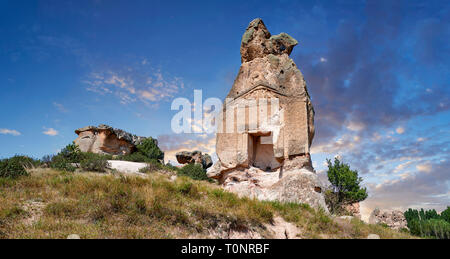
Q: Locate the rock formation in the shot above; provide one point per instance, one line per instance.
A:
(353, 209)
(195, 157)
(266, 126)
(106, 140)
(394, 219)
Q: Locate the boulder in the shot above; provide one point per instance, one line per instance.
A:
(373, 236)
(195, 157)
(298, 186)
(73, 236)
(394, 219)
(105, 139)
(353, 209)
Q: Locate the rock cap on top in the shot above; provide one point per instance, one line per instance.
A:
(257, 42)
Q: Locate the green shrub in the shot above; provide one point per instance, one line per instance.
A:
(194, 171)
(149, 148)
(94, 162)
(135, 157)
(445, 215)
(428, 223)
(60, 163)
(71, 153)
(16, 166)
(151, 167)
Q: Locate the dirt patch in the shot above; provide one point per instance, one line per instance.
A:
(34, 208)
(281, 229)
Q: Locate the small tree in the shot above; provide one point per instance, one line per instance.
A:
(150, 149)
(345, 185)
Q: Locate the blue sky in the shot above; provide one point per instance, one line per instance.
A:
(377, 71)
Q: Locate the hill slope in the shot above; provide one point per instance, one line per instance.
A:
(53, 204)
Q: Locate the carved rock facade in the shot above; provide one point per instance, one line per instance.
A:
(267, 121)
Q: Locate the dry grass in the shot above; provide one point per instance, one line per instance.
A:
(52, 204)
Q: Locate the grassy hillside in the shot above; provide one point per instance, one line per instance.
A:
(53, 204)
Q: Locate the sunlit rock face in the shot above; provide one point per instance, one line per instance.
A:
(267, 121)
(195, 157)
(106, 140)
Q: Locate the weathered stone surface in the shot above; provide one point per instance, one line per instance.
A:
(353, 209)
(394, 219)
(195, 157)
(106, 140)
(266, 127)
(269, 83)
(73, 236)
(373, 236)
(298, 186)
(257, 42)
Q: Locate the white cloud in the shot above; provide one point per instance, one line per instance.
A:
(50, 132)
(355, 126)
(10, 132)
(140, 83)
(400, 130)
(322, 59)
(424, 167)
(60, 107)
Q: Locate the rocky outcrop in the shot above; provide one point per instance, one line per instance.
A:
(195, 157)
(353, 209)
(297, 186)
(266, 126)
(274, 117)
(107, 140)
(394, 219)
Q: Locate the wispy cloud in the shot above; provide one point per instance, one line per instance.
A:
(50, 132)
(171, 144)
(135, 83)
(10, 132)
(60, 107)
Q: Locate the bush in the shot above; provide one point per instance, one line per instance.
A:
(149, 148)
(151, 167)
(71, 153)
(428, 223)
(135, 157)
(60, 163)
(345, 185)
(94, 162)
(194, 171)
(16, 166)
(445, 215)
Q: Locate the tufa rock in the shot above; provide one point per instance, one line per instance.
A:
(297, 186)
(394, 219)
(266, 126)
(107, 140)
(353, 209)
(196, 157)
(270, 83)
(73, 236)
(373, 236)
